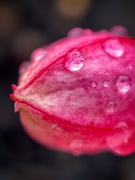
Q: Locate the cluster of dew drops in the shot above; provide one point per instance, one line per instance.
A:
(74, 61)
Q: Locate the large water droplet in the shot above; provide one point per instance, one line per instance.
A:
(113, 47)
(76, 145)
(74, 60)
(111, 107)
(123, 83)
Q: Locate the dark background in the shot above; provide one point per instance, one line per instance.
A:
(24, 26)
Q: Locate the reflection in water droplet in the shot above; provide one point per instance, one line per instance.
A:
(113, 47)
(111, 107)
(38, 54)
(105, 83)
(77, 145)
(123, 83)
(74, 60)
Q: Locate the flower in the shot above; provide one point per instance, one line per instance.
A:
(77, 94)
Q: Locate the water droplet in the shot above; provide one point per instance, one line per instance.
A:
(130, 66)
(105, 83)
(111, 107)
(119, 142)
(121, 125)
(119, 30)
(38, 54)
(113, 47)
(55, 126)
(75, 32)
(123, 83)
(93, 84)
(23, 67)
(16, 106)
(74, 60)
(77, 145)
(87, 32)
